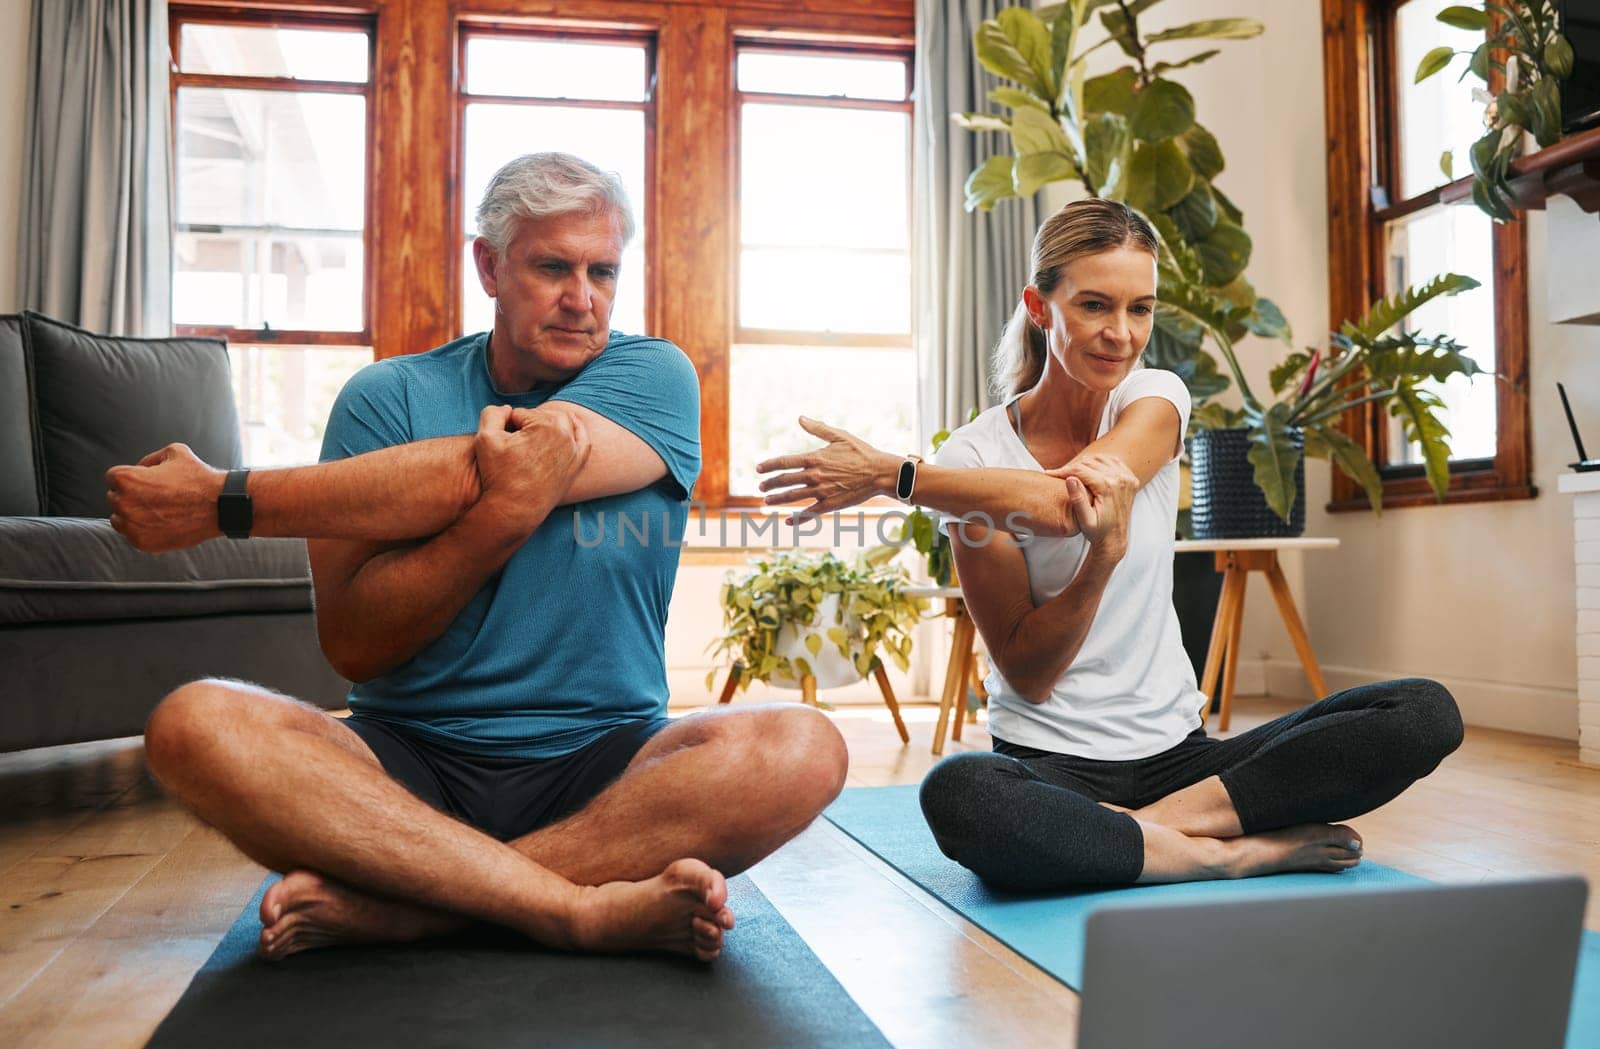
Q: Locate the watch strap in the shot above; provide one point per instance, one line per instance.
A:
(235, 514)
(906, 480)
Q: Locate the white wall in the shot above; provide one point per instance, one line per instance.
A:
(1479, 596)
(16, 15)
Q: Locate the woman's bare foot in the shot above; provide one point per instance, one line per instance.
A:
(307, 910)
(682, 910)
(1318, 847)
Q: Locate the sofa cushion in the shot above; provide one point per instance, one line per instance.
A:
(66, 569)
(19, 450)
(105, 400)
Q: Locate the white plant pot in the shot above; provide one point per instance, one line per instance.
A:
(829, 668)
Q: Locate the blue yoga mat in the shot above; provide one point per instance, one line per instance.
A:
(1049, 930)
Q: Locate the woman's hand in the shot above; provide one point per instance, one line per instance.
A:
(1100, 491)
(845, 472)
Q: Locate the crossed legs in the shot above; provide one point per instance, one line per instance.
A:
(639, 868)
(1268, 800)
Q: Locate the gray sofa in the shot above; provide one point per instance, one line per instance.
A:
(92, 632)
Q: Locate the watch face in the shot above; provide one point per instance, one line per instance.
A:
(903, 483)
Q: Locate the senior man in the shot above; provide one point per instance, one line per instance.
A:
(508, 758)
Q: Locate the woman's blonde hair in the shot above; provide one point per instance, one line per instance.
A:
(1084, 227)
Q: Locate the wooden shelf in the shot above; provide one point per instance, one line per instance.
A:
(1570, 167)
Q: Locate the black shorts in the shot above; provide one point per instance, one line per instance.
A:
(503, 797)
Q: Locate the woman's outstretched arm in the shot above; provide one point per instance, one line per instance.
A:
(848, 471)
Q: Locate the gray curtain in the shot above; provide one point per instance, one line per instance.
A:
(95, 247)
(969, 270)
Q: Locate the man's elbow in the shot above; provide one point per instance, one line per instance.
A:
(348, 659)
(1030, 685)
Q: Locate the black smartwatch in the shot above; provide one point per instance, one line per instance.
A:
(906, 480)
(234, 513)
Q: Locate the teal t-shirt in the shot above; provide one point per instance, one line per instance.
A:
(567, 639)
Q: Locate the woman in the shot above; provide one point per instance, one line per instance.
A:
(1102, 772)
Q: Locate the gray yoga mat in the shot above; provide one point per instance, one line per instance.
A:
(767, 989)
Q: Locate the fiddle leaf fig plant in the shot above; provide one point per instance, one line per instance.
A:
(1132, 135)
(870, 614)
(1523, 41)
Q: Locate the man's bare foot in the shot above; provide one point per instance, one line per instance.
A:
(1114, 808)
(307, 910)
(682, 910)
(1319, 847)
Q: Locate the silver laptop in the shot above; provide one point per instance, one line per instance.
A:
(1465, 966)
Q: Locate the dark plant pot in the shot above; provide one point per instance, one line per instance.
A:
(1226, 503)
(1196, 588)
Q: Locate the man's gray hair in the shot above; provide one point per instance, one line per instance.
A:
(537, 185)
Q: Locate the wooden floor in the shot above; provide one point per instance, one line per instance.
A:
(111, 897)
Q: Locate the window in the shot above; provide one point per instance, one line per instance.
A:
(1390, 228)
(823, 308)
(270, 232)
(526, 92)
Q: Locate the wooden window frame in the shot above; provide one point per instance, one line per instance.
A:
(1363, 151)
(180, 15)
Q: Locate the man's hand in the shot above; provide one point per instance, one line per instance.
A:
(1100, 491)
(526, 460)
(167, 502)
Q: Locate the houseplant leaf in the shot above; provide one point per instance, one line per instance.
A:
(1274, 457)
(1415, 407)
(1386, 313)
(1329, 442)
(989, 183)
(1224, 253)
(980, 122)
(1035, 169)
(1203, 151)
(1464, 18)
(1017, 98)
(1035, 131)
(1158, 176)
(1193, 60)
(1111, 92)
(1000, 54)
(1031, 38)
(1269, 322)
(1195, 215)
(1432, 62)
(1210, 29)
(1164, 109)
(1107, 143)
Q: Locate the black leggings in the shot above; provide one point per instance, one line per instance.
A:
(1029, 820)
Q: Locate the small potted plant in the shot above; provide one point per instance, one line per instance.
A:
(798, 615)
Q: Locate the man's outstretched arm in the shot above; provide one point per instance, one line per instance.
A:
(407, 491)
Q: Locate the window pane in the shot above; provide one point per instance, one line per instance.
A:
(243, 278)
(815, 176)
(825, 289)
(795, 74)
(306, 54)
(271, 159)
(1434, 115)
(870, 392)
(284, 394)
(1439, 240)
(611, 139)
(555, 69)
